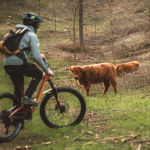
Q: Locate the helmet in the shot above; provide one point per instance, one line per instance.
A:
(31, 19)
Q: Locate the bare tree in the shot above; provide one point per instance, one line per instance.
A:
(108, 6)
(81, 25)
(54, 8)
(73, 7)
(112, 32)
(149, 17)
(39, 8)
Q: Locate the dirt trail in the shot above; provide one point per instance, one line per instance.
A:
(6, 146)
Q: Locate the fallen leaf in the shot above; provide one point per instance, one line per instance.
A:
(132, 135)
(123, 139)
(46, 143)
(139, 147)
(116, 141)
(89, 132)
(87, 143)
(17, 147)
(26, 147)
(67, 137)
(96, 135)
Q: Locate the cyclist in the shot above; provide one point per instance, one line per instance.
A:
(16, 67)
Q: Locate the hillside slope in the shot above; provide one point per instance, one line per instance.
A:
(129, 30)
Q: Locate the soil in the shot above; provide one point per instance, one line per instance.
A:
(6, 146)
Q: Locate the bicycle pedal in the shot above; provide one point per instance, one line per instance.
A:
(20, 118)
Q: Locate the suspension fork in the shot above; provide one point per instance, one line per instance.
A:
(54, 88)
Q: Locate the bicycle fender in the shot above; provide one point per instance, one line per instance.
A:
(48, 91)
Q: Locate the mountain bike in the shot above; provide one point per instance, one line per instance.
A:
(60, 107)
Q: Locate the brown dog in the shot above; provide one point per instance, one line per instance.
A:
(98, 73)
(127, 67)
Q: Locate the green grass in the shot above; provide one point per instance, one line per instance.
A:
(122, 115)
(114, 115)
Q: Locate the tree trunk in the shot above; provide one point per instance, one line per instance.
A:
(39, 8)
(112, 33)
(74, 35)
(81, 25)
(149, 18)
(95, 22)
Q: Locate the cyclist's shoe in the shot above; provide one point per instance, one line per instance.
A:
(30, 101)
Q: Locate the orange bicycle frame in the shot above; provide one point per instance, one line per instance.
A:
(38, 96)
(45, 78)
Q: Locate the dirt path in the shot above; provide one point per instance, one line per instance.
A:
(6, 146)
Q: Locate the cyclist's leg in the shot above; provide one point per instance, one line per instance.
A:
(36, 74)
(17, 78)
(16, 73)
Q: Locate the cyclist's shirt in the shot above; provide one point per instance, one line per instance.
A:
(29, 40)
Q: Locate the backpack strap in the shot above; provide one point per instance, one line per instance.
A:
(21, 55)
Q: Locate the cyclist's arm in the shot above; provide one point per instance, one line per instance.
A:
(49, 71)
(35, 51)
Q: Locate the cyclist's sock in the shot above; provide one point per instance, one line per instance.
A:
(26, 97)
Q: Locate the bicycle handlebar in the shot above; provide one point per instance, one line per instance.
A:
(46, 63)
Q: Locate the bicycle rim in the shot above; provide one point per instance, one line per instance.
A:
(73, 104)
(8, 131)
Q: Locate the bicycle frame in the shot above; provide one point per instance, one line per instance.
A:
(38, 96)
(45, 78)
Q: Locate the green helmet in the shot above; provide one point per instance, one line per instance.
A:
(31, 19)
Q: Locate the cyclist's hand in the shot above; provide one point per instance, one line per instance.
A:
(50, 73)
(43, 56)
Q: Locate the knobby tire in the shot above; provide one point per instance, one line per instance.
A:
(8, 100)
(74, 108)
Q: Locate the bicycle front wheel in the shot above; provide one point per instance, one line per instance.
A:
(8, 130)
(73, 104)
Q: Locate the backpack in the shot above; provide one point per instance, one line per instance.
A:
(10, 41)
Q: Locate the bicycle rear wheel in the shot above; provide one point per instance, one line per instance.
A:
(8, 130)
(73, 104)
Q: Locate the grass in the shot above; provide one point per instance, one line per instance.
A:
(112, 115)
(115, 117)
(124, 115)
